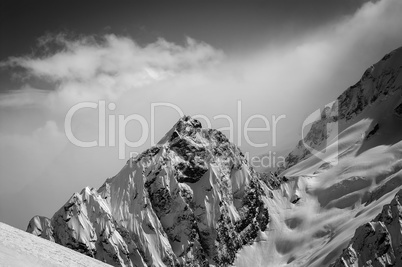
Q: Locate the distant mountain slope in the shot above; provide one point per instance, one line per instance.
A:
(380, 82)
(192, 200)
(20, 249)
(315, 214)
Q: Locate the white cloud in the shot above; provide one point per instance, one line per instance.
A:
(107, 68)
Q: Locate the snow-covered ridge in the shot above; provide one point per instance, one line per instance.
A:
(378, 82)
(190, 200)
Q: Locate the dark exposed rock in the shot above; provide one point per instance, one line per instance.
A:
(398, 110)
(272, 180)
(254, 218)
(373, 131)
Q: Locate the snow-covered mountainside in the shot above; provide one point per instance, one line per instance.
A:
(379, 82)
(314, 215)
(192, 200)
(20, 249)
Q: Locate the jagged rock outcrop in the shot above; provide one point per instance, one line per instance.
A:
(191, 200)
(377, 243)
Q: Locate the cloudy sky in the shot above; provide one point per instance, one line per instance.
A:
(225, 61)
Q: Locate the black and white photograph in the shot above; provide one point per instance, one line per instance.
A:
(226, 133)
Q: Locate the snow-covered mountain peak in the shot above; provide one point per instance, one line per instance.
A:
(190, 200)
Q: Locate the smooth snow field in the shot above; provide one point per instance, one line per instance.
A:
(18, 248)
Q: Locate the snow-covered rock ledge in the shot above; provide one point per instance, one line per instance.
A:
(379, 242)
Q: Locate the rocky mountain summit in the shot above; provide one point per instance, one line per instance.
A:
(191, 200)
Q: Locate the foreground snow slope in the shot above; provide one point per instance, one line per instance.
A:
(20, 249)
(315, 214)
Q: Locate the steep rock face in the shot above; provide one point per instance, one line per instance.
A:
(193, 182)
(192, 200)
(379, 242)
(378, 82)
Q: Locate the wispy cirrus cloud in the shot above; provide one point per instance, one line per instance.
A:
(26, 96)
